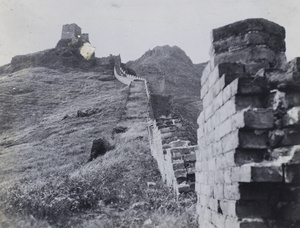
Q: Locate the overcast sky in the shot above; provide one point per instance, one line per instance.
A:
(131, 27)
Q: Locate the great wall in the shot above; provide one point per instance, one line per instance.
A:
(247, 159)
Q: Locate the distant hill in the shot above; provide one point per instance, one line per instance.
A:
(172, 74)
(64, 58)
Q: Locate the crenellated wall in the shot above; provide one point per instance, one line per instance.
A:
(248, 162)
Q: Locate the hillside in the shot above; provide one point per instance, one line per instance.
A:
(172, 74)
(49, 120)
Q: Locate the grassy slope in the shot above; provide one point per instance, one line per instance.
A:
(44, 176)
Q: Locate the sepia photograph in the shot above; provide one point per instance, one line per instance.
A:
(149, 114)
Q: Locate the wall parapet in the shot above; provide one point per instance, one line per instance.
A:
(248, 162)
(174, 153)
(168, 141)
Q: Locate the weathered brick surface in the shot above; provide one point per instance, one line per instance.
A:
(175, 156)
(248, 162)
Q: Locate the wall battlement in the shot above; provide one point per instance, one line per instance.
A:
(248, 162)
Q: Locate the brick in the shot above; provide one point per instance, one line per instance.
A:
(251, 54)
(241, 174)
(231, 192)
(290, 194)
(230, 141)
(259, 118)
(245, 156)
(204, 89)
(290, 211)
(191, 170)
(253, 68)
(292, 117)
(183, 188)
(248, 25)
(224, 128)
(206, 190)
(218, 191)
(204, 201)
(180, 173)
(207, 99)
(226, 92)
(200, 119)
(207, 214)
(292, 99)
(292, 173)
(205, 73)
(228, 207)
(255, 191)
(227, 177)
(253, 139)
(216, 73)
(229, 159)
(228, 109)
(266, 174)
(208, 112)
(218, 86)
(254, 224)
(218, 101)
(216, 118)
(291, 137)
(219, 177)
(183, 150)
(178, 165)
(211, 165)
(180, 143)
(213, 204)
(218, 219)
(253, 209)
(281, 151)
(220, 162)
(248, 101)
(242, 41)
(176, 155)
(232, 222)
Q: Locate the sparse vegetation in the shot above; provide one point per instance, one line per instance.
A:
(46, 179)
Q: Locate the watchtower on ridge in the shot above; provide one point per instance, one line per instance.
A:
(73, 31)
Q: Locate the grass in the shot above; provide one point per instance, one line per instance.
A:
(45, 179)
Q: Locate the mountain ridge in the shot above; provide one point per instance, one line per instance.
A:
(172, 74)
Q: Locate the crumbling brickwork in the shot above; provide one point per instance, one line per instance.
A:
(167, 136)
(175, 156)
(248, 163)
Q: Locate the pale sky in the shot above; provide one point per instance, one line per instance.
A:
(131, 27)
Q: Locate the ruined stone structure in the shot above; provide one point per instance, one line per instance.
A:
(73, 32)
(174, 153)
(168, 140)
(248, 162)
